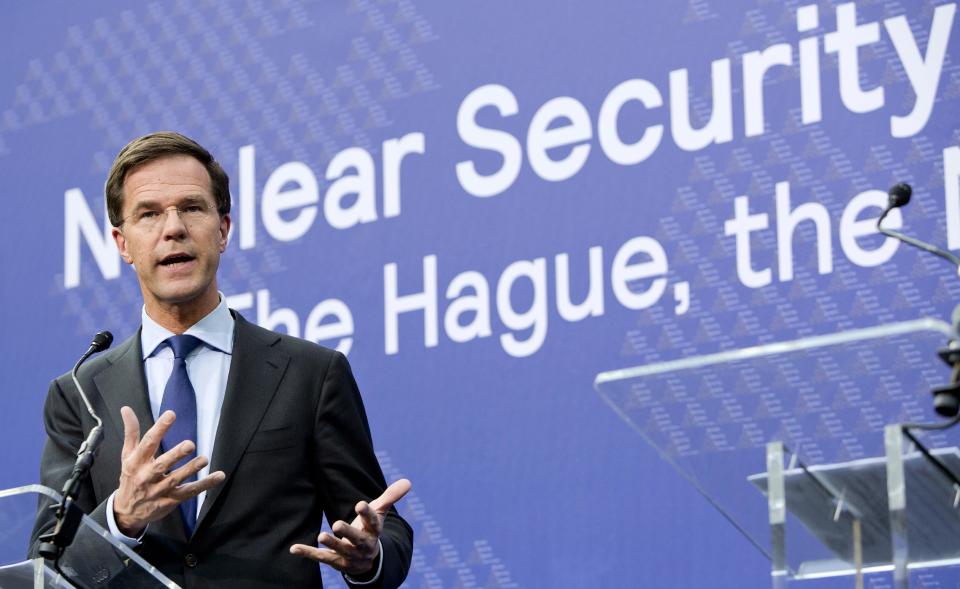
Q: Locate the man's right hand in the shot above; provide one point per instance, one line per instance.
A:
(149, 490)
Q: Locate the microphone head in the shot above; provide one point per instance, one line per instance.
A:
(102, 341)
(899, 195)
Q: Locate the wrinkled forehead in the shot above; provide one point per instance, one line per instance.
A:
(166, 180)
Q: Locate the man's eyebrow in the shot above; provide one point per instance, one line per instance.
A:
(144, 204)
(150, 203)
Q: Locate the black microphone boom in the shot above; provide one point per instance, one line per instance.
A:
(899, 195)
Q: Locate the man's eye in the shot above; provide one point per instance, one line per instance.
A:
(148, 215)
(193, 209)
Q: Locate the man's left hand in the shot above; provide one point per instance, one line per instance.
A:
(353, 548)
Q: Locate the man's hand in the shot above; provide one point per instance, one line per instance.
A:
(353, 548)
(148, 489)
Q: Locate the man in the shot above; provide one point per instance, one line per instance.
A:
(280, 419)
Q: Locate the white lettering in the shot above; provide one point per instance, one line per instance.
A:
(247, 225)
(741, 226)
(808, 18)
(755, 67)
(924, 72)
(78, 221)
(304, 196)
(478, 304)
(852, 228)
(541, 138)
(787, 221)
(489, 139)
(623, 272)
(341, 328)
(607, 124)
(534, 318)
(394, 150)
(362, 184)
(951, 194)
(846, 43)
(719, 129)
(592, 305)
(394, 304)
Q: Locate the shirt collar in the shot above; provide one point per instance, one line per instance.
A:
(214, 330)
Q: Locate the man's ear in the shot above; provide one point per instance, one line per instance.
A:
(121, 242)
(224, 232)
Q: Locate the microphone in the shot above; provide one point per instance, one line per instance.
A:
(101, 341)
(899, 195)
(52, 544)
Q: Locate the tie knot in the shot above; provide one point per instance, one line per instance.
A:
(182, 345)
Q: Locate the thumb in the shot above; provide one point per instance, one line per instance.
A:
(394, 493)
(131, 431)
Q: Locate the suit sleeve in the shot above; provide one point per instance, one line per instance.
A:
(350, 470)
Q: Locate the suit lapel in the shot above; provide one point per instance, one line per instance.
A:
(122, 382)
(256, 368)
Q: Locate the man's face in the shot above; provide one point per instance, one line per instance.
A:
(175, 255)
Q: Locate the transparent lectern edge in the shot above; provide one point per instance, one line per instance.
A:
(805, 343)
(858, 462)
(33, 488)
(685, 475)
(96, 528)
(823, 570)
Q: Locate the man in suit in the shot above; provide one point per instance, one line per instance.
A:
(280, 418)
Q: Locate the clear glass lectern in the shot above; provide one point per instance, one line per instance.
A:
(805, 423)
(94, 559)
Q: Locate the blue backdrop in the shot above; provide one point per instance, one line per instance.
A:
(570, 188)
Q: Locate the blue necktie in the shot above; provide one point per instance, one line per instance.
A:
(179, 397)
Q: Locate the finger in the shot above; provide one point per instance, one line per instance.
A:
(342, 547)
(186, 471)
(323, 555)
(394, 493)
(131, 431)
(167, 460)
(369, 518)
(194, 488)
(151, 440)
(360, 538)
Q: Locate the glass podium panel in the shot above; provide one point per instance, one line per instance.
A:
(923, 501)
(786, 440)
(94, 559)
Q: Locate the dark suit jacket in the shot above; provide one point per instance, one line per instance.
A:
(294, 443)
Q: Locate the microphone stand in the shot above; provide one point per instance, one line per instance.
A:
(68, 514)
(946, 399)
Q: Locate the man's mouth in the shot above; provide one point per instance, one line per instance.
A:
(174, 259)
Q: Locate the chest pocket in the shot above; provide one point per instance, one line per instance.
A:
(275, 438)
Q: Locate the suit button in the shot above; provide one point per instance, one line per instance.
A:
(191, 560)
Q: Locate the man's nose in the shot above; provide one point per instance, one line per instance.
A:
(173, 225)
